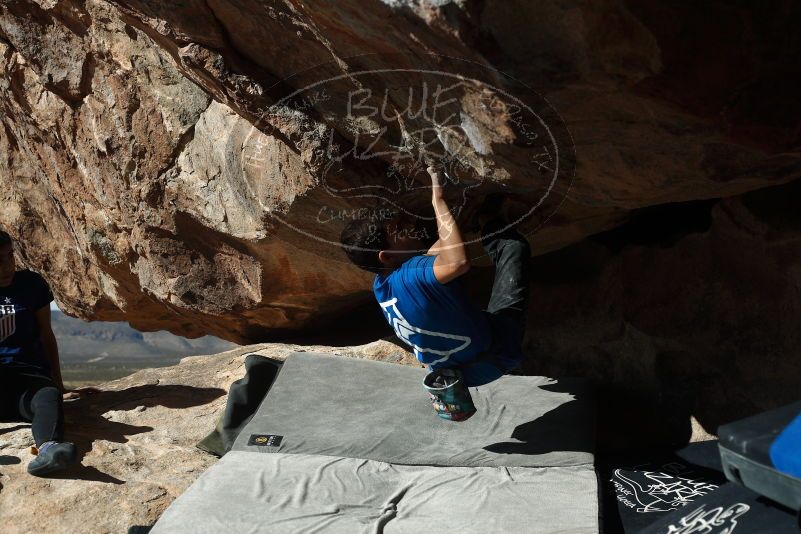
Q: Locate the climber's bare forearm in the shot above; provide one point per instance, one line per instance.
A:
(451, 260)
(450, 246)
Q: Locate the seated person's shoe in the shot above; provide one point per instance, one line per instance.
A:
(53, 456)
(449, 396)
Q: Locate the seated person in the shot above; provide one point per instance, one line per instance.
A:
(30, 377)
(425, 302)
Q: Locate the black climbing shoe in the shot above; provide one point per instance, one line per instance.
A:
(53, 456)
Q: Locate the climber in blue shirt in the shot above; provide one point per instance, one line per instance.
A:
(425, 302)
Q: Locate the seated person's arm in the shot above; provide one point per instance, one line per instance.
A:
(452, 261)
(49, 345)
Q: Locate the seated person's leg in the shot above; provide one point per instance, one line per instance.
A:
(9, 398)
(41, 403)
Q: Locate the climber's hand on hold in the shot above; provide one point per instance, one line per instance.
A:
(436, 182)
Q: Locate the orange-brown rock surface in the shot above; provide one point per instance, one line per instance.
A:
(154, 170)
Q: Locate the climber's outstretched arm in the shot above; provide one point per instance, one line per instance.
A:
(452, 260)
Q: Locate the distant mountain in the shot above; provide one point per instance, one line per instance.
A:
(80, 341)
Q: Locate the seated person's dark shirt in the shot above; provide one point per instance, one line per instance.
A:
(20, 346)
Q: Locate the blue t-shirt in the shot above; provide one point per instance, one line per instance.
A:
(20, 347)
(437, 320)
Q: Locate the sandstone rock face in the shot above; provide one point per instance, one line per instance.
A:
(137, 437)
(158, 165)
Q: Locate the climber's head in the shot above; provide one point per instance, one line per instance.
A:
(381, 246)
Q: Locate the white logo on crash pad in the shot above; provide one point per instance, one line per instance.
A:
(8, 321)
(714, 521)
(404, 330)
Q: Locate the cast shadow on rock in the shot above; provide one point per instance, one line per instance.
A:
(568, 427)
(86, 424)
(9, 460)
(150, 395)
(85, 416)
(12, 428)
(85, 472)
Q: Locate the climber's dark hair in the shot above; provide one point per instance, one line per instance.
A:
(5, 239)
(361, 240)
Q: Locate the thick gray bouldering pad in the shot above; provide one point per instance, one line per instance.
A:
(364, 409)
(281, 493)
(342, 445)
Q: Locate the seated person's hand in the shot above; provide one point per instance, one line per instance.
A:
(78, 393)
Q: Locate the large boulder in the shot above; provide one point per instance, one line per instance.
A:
(170, 163)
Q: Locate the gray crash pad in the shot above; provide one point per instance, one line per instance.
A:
(336, 406)
(280, 493)
(340, 445)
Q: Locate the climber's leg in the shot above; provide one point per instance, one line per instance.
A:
(508, 305)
